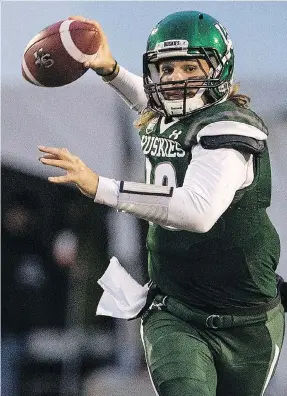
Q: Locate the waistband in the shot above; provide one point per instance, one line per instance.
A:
(215, 320)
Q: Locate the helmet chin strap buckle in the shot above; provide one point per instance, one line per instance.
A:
(182, 107)
(176, 107)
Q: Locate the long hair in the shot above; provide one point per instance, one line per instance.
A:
(240, 100)
(145, 117)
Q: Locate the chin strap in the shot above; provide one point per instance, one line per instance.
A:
(176, 107)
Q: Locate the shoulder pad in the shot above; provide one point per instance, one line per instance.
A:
(226, 112)
(244, 144)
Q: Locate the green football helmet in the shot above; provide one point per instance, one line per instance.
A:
(183, 35)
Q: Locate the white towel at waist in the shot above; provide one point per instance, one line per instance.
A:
(123, 296)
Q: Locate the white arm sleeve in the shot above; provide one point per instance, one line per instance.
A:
(130, 88)
(211, 181)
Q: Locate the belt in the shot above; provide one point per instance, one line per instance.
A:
(213, 320)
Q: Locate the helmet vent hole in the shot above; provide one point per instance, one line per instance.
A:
(200, 16)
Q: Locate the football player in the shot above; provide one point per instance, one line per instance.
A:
(214, 323)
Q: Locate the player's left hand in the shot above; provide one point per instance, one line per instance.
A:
(76, 171)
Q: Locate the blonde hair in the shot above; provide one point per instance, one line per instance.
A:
(240, 100)
(145, 117)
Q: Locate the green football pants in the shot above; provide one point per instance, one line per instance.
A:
(186, 359)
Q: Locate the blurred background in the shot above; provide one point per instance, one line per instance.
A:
(56, 243)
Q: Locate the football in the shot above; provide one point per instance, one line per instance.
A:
(55, 56)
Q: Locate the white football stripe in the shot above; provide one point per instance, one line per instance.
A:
(142, 338)
(70, 46)
(274, 361)
(32, 41)
(29, 75)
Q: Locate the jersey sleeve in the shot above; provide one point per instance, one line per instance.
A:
(129, 87)
(211, 181)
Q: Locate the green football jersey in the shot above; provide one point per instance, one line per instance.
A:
(234, 263)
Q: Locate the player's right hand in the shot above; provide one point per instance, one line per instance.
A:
(77, 171)
(104, 62)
